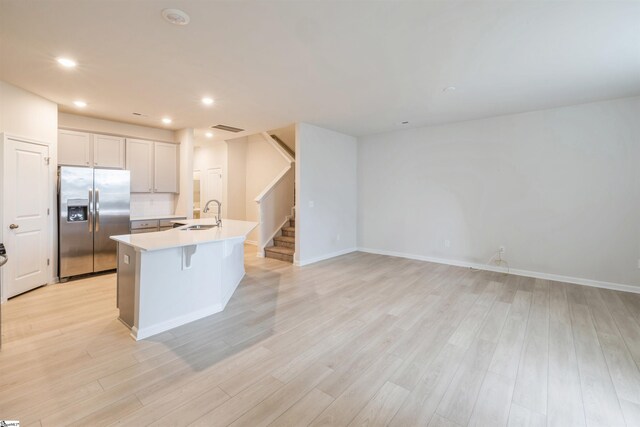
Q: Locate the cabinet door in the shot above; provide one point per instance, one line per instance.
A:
(140, 164)
(166, 168)
(74, 148)
(108, 151)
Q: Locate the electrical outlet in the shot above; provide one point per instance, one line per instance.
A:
(447, 243)
(502, 250)
(338, 237)
(311, 204)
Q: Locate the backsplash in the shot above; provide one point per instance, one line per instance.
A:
(143, 204)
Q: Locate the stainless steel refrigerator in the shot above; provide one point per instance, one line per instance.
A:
(93, 204)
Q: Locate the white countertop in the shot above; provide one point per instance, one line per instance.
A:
(177, 237)
(154, 217)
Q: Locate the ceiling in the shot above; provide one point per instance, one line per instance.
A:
(357, 67)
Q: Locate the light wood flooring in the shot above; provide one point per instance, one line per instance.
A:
(358, 340)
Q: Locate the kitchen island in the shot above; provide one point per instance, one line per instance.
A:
(170, 278)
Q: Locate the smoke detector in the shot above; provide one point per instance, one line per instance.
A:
(175, 16)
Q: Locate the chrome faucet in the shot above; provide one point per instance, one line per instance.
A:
(219, 216)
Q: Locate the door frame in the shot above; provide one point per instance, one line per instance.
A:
(52, 196)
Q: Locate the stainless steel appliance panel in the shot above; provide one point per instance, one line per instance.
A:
(111, 217)
(138, 224)
(126, 297)
(75, 221)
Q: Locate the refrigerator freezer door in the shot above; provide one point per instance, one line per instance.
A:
(111, 200)
(75, 221)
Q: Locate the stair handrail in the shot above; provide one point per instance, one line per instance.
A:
(288, 157)
(269, 188)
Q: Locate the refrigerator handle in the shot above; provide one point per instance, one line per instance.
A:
(97, 212)
(90, 210)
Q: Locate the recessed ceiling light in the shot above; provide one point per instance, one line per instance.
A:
(208, 134)
(449, 89)
(66, 62)
(166, 120)
(80, 104)
(207, 101)
(175, 16)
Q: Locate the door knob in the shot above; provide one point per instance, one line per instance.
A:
(14, 226)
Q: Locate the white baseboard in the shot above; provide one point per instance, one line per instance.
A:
(142, 333)
(517, 272)
(323, 257)
(251, 242)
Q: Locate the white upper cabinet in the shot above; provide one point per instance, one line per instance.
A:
(140, 164)
(74, 148)
(165, 168)
(108, 151)
(153, 166)
(86, 149)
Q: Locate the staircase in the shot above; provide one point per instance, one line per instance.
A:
(283, 245)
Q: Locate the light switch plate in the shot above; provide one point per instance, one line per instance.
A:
(126, 259)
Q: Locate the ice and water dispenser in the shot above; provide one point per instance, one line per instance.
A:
(77, 210)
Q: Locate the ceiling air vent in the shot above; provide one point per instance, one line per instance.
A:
(227, 128)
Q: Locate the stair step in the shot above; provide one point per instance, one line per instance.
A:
(279, 252)
(292, 223)
(285, 241)
(289, 231)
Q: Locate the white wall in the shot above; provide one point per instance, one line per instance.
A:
(263, 165)
(27, 115)
(207, 157)
(91, 124)
(24, 114)
(326, 174)
(184, 202)
(237, 178)
(559, 188)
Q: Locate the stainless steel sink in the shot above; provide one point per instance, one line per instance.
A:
(198, 227)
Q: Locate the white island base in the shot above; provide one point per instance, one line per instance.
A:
(170, 278)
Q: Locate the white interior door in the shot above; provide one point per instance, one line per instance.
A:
(26, 225)
(213, 190)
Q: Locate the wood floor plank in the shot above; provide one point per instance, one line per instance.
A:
(194, 409)
(601, 404)
(622, 368)
(357, 395)
(494, 401)
(519, 416)
(239, 404)
(304, 410)
(381, 409)
(279, 402)
(506, 358)
(419, 407)
(531, 382)
(565, 404)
